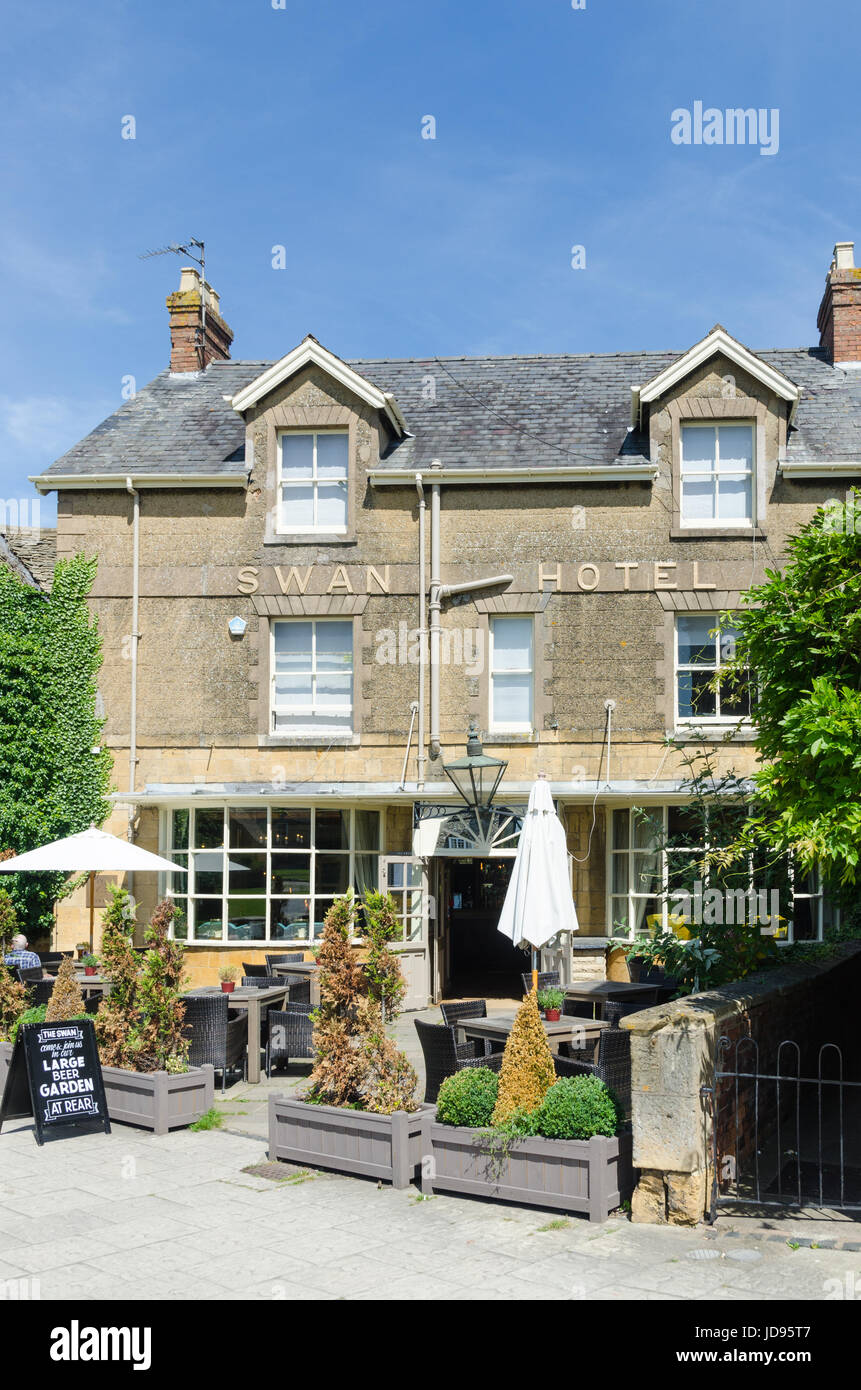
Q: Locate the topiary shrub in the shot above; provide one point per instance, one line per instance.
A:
(66, 999)
(13, 1002)
(576, 1107)
(468, 1098)
(527, 1070)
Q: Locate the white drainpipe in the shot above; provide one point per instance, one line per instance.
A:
(421, 756)
(135, 637)
(433, 616)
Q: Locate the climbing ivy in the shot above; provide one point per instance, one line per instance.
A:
(51, 782)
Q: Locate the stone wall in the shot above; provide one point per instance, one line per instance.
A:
(673, 1051)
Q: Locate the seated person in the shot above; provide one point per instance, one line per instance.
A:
(21, 957)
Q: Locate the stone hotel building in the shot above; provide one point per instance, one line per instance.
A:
(315, 575)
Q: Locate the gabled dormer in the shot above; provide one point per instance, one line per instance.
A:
(314, 426)
(717, 418)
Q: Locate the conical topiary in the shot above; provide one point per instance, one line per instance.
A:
(66, 999)
(527, 1071)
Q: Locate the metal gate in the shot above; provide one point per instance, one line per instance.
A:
(780, 1139)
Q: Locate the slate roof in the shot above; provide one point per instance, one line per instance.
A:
(489, 412)
(30, 554)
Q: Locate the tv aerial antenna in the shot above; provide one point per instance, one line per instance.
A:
(177, 248)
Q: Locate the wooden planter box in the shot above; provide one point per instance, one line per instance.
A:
(390, 1147)
(581, 1175)
(158, 1100)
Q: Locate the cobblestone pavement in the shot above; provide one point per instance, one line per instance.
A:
(135, 1216)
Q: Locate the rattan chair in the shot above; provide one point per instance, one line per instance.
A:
(52, 960)
(290, 1035)
(614, 1009)
(612, 1066)
(283, 960)
(469, 1008)
(472, 1008)
(264, 981)
(546, 979)
(444, 1055)
(215, 1037)
(28, 973)
(299, 991)
(248, 968)
(577, 1008)
(39, 992)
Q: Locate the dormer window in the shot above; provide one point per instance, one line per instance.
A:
(313, 471)
(717, 474)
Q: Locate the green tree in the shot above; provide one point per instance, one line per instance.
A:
(800, 633)
(52, 784)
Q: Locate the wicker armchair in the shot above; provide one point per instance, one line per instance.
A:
(546, 979)
(39, 992)
(613, 1065)
(473, 1008)
(577, 1008)
(264, 981)
(283, 960)
(290, 1031)
(249, 968)
(444, 1055)
(215, 1037)
(52, 960)
(299, 990)
(614, 1009)
(29, 973)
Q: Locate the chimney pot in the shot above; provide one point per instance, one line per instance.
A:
(844, 255)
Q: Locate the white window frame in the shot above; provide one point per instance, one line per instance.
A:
(304, 730)
(688, 721)
(284, 485)
(822, 911)
(511, 728)
(190, 902)
(717, 523)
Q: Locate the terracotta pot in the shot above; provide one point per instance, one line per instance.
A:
(552, 1015)
(89, 970)
(228, 986)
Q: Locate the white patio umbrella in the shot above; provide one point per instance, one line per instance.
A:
(538, 903)
(91, 851)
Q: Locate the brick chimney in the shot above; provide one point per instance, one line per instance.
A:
(839, 318)
(193, 342)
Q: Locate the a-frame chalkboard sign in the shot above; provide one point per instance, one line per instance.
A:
(56, 1077)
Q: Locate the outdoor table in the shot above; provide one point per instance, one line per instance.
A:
(250, 999)
(497, 1027)
(95, 984)
(598, 992)
(302, 967)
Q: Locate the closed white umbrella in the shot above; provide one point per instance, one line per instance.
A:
(91, 851)
(538, 904)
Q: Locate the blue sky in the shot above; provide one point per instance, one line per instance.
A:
(258, 127)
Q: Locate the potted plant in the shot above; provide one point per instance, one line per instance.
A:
(524, 1136)
(140, 1026)
(550, 1003)
(90, 964)
(227, 975)
(359, 1114)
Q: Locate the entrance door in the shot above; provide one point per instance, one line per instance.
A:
(480, 960)
(404, 877)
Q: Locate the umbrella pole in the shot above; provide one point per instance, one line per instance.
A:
(535, 969)
(92, 905)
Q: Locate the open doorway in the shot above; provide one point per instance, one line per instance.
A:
(479, 960)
